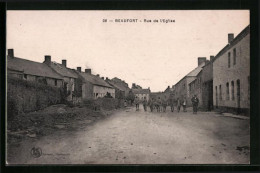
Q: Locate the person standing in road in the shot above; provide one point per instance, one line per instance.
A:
(151, 104)
(136, 103)
(184, 104)
(171, 103)
(178, 104)
(145, 104)
(195, 103)
(164, 104)
(159, 104)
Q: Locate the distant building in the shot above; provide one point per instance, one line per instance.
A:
(142, 93)
(183, 88)
(93, 86)
(69, 77)
(134, 86)
(121, 88)
(32, 71)
(231, 74)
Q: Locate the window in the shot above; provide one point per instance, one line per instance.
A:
(228, 59)
(25, 76)
(232, 90)
(227, 91)
(55, 82)
(234, 56)
(220, 92)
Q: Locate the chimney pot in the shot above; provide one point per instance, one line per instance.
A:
(201, 60)
(97, 75)
(64, 62)
(107, 78)
(103, 78)
(79, 69)
(47, 60)
(88, 71)
(230, 37)
(11, 52)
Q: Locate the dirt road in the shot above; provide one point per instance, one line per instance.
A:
(138, 137)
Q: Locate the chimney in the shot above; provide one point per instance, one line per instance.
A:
(211, 58)
(88, 71)
(64, 62)
(107, 78)
(201, 60)
(133, 85)
(230, 37)
(79, 69)
(11, 52)
(102, 78)
(47, 60)
(97, 75)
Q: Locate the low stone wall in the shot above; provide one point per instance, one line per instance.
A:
(24, 96)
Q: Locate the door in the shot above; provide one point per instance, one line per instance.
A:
(238, 95)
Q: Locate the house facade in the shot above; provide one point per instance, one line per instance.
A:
(32, 71)
(182, 88)
(121, 88)
(93, 86)
(231, 74)
(142, 93)
(69, 78)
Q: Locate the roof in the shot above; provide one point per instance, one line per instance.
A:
(141, 91)
(62, 70)
(117, 85)
(95, 80)
(239, 37)
(197, 70)
(31, 67)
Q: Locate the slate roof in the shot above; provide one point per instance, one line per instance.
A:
(95, 80)
(31, 67)
(62, 70)
(197, 70)
(141, 91)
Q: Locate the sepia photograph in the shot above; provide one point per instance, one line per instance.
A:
(94, 87)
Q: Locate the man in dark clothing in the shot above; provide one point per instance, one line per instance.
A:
(178, 104)
(151, 104)
(145, 104)
(171, 103)
(195, 103)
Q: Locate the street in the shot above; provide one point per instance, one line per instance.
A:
(137, 137)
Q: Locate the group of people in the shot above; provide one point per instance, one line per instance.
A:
(160, 104)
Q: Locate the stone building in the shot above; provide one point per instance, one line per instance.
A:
(202, 86)
(121, 87)
(231, 74)
(69, 78)
(142, 93)
(207, 85)
(182, 89)
(93, 86)
(32, 71)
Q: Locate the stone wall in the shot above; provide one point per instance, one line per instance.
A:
(25, 96)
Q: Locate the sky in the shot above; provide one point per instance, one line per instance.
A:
(154, 54)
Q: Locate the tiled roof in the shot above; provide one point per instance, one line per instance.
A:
(141, 91)
(117, 85)
(31, 67)
(62, 70)
(95, 80)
